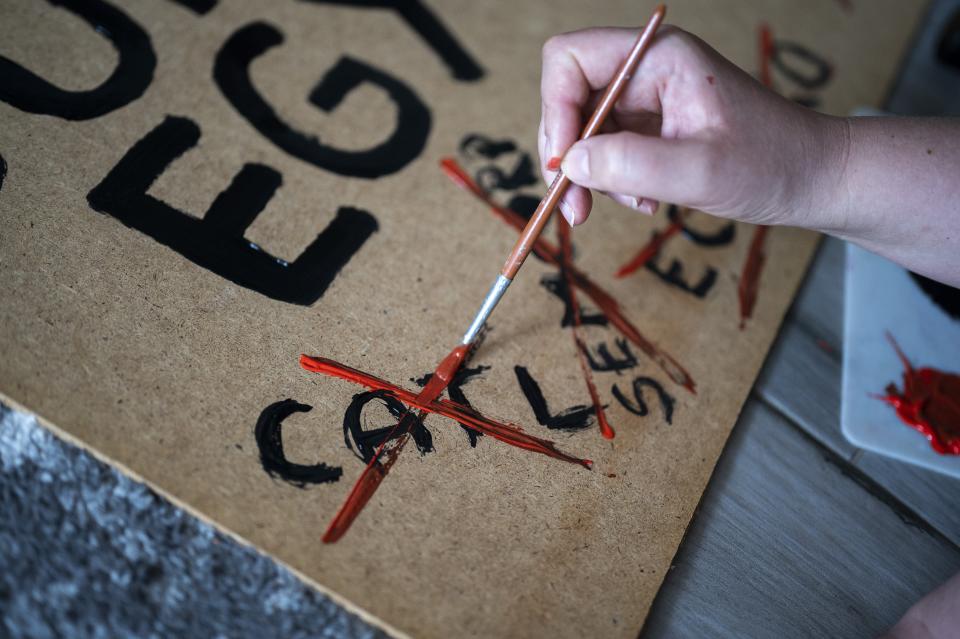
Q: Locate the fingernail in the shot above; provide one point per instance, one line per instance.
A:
(553, 163)
(646, 206)
(566, 213)
(576, 164)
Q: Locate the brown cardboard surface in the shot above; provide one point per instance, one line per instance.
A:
(162, 366)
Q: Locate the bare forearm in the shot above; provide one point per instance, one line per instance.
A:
(693, 129)
(898, 192)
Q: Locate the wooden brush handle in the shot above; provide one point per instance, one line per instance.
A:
(549, 202)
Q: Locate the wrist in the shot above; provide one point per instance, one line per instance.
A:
(825, 205)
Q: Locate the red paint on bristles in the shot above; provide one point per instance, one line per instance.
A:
(604, 301)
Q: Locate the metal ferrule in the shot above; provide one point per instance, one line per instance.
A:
(489, 303)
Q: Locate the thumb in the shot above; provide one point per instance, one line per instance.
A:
(657, 168)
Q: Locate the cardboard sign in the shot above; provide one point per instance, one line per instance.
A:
(197, 192)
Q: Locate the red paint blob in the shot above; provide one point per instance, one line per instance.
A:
(603, 300)
(749, 283)
(553, 163)
(711, 79)
(929, 403)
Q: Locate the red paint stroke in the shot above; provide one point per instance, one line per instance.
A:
(766, 52)
(371, 477)
(368, 482)
(566, 260)
(651, 248)
(553, 163)
(603, 300)
(929, 403)
(427, 401)
(749, 284)
(508, 433)
(750, 275)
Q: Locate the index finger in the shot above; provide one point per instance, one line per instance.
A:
(579, 63)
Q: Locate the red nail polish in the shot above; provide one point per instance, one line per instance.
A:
(553, 163)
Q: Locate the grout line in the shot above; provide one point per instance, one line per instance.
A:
(904, 512)
(770, 399)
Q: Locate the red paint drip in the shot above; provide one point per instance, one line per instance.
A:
(651, 248)
(929, 403)
(603, 300)
(750, 275)
(566, 260)
(553, 163)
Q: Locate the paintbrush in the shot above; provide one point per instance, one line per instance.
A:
(560, 183)
(376, 470)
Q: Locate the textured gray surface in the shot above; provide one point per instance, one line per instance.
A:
(788, 544)
(87, 552)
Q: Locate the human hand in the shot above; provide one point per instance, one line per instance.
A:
(690, 128)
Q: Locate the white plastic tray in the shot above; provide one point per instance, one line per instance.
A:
(882, 297)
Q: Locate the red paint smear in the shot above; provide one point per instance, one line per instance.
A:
(652, 247)
(766, 52)
(603, 300)
(553, 163)
(750, 276)
(566, 260)
(929, 403)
